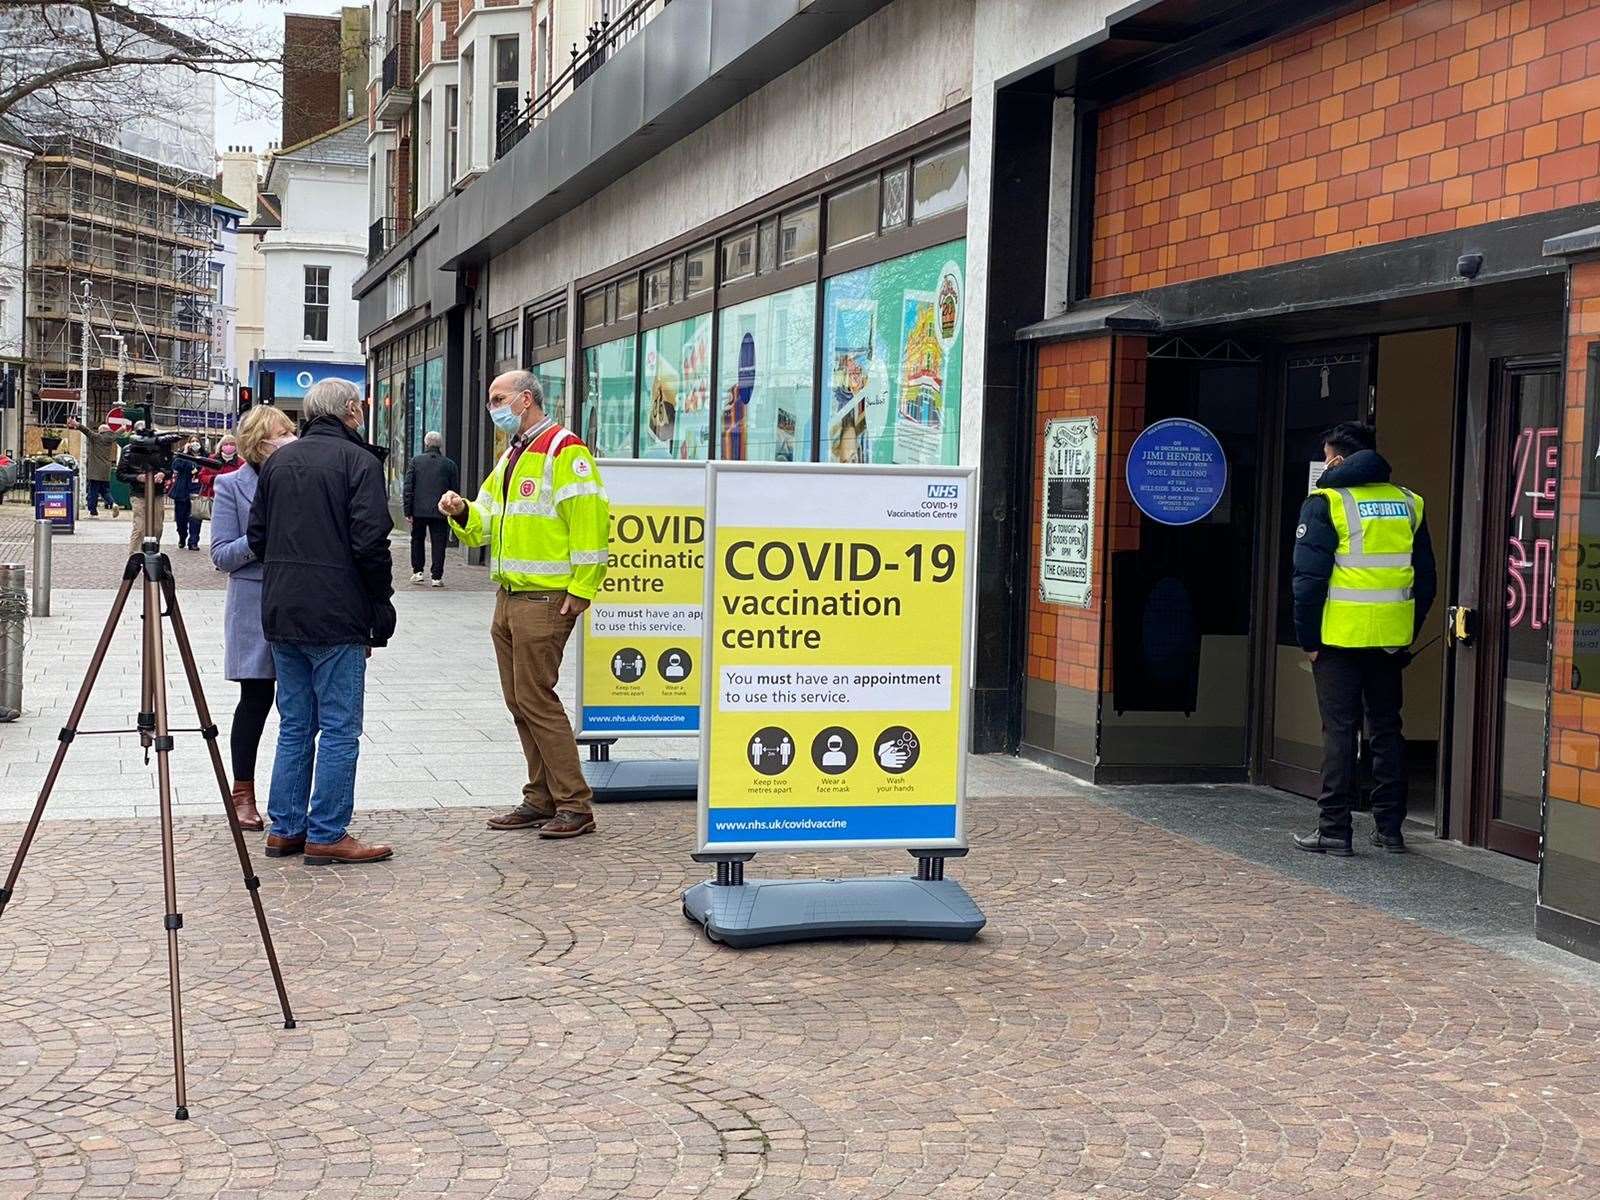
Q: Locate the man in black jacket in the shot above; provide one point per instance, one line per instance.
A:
(1364, 580)
(320, 525)
(430, 475)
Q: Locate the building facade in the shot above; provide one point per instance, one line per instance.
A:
(241, 180)
(223, 402)
(1017, 237)
(324, 72)
(16, 149)
(312, 244)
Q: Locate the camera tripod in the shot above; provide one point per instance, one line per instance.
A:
(155, 569)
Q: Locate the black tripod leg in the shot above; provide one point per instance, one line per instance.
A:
(70, 729)
(162, 741)
(209, 728)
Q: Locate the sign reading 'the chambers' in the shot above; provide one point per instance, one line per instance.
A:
(641, 636)
(835, 636)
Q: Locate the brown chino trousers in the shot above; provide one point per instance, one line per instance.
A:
(529, 636)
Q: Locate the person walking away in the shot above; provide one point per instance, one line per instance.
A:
(100, 463)
(228, 452)
(246, 656)
(543, 513)
(183, 488)
(429, 476)
(320, 526)
(1364, 581)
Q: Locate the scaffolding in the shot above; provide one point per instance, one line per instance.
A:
(121, 293)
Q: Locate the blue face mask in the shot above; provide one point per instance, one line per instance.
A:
(504, 419)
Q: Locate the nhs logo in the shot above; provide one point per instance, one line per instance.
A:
(944, 491)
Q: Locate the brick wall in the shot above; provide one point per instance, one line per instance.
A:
(1082, 379)
(450, 14)
(1574, 716)
(1401, 119)
(312, 58)
(425, 40)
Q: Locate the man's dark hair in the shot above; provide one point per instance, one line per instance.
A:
(1351, 437)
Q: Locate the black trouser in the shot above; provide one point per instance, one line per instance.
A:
(249, 719)
(99, 491)
(1350, 682)
(188, 526)
(432, 529)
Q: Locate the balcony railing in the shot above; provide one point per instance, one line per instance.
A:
(397, 68)
(604, 39)
(384, 233)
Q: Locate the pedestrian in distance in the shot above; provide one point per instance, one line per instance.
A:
(428, 477)
(544, 515)
(1364, 581)
(100, 463)
(246, 656)
(228, 454)
(184, 488)
(320, 526)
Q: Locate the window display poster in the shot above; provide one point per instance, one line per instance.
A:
(892, 359)
(608, 392)
(552, 377)
(1066, 531)
(765, 355)
(675, 392)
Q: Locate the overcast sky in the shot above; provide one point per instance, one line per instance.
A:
(248, 121)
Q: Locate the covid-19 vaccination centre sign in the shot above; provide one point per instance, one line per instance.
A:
(835, 700)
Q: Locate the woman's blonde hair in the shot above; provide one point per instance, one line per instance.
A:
(258, 427)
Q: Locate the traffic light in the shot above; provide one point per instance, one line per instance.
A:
(246, 397)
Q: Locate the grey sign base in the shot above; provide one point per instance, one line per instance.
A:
(643, 779)
(760, 912)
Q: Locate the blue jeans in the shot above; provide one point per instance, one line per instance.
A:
(321, 689)
(99, 489)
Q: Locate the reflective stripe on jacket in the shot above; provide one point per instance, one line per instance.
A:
(548, 526)
(1370, 593)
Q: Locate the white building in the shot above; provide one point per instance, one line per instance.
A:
(241, 180)
(227, 214)
(14, 156)
(313, 244)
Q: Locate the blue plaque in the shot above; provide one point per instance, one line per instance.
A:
(1177, 472)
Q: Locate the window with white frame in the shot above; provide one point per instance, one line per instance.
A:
(507, 76)
(399, 289)
(541, 58)
(425, 157)
(451, 130)
(468, 71)
(316, 304)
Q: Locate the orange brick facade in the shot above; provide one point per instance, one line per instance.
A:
(1405, 118)
(1574, 773)
(1101, 378)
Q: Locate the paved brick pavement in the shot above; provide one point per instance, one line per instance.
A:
(491, 1015)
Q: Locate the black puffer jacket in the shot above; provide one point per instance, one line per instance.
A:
(321, 524)
(1316, 542)
(430, 475)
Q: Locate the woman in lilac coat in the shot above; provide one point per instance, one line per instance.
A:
(246, 657)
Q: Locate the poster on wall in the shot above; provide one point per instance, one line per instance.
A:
(1066, 531)
(675, 394)
(764, 367)
(892, 359)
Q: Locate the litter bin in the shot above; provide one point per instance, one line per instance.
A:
(55, 496)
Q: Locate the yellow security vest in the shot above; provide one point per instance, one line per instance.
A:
(1369, 593)
(547, 526)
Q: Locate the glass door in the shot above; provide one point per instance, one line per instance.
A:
(1517, 639)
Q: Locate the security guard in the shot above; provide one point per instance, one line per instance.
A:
(544, 515)
(1364, 580)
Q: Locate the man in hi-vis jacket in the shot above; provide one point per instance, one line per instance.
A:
(1364, 580)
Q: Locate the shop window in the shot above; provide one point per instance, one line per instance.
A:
(503, 347)
(896, 196)
(853, 214)
(698, 271)
(891, 359)
(594, 309)
(627, 299)
(675, 391)
(433, 396)
(765, 359)
(797, 235)
(677, 280)
(609, 387)
(657, 288)
(739, 256)
(767, 245)
(552, 377)
(416, 407)
(939, 182)
(1586, 562)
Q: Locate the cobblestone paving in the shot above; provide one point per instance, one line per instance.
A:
(489, 1015)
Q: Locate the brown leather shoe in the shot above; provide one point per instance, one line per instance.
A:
(567, 825)
(244, 806)
(523, 816)
(282, 847)
(346, 850)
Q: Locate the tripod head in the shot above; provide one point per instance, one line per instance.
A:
(150, 452)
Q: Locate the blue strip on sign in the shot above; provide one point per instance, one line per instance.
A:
(863, 823)
(673, 718)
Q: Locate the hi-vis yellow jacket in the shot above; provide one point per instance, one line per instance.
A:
(547, 526)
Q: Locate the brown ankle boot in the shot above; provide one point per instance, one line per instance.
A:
(244, 806)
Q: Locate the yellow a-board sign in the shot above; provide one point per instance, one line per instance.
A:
(641, 636)
(836, 633)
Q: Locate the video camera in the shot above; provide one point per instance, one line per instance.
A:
(149, 452)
